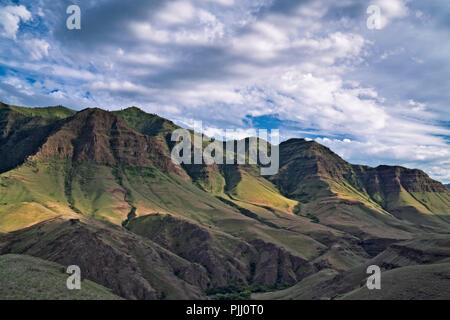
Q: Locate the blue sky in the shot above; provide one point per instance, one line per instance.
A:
(310, 68)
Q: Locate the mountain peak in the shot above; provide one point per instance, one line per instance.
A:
(134, 109)
(308, 144)
(104, 138)
(294, 140)
(92, 111)
(146, 123)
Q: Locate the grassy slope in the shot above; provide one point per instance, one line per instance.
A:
(32, 193)
(421, 282)
(57, 112)
(24, 277)
(95, 191)
(257, 191)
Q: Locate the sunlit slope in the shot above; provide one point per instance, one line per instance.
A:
(24, 277)
(32, 193)
(21, 215)
(249, 187)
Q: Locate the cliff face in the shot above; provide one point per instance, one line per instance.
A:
(98, 136)
(389, 179)
(303, 161)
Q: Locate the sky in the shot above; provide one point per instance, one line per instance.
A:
(374, 93)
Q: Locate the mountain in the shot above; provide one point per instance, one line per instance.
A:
(99, 189)
(448, 185)
(327, 186)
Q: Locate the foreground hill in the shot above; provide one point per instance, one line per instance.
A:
(73, 184)
(132, 267)
(25, 277)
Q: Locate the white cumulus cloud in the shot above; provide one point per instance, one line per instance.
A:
(10, 18)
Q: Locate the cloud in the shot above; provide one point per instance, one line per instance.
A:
(391, 10)
(10, 18)
(37, 48)
(177, 12)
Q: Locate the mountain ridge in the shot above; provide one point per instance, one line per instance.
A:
(112, 172)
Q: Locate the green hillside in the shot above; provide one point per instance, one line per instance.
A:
(428, 282)
(57, 112)
(24, 277)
